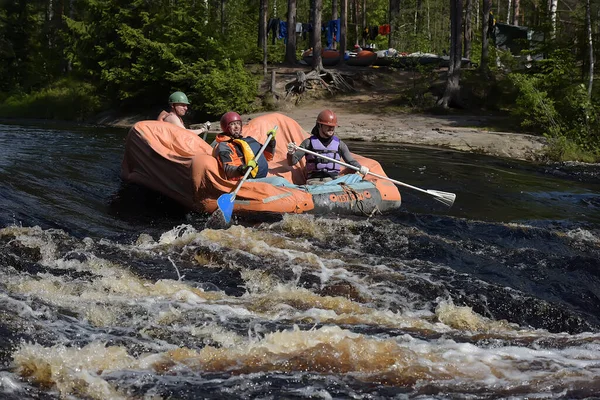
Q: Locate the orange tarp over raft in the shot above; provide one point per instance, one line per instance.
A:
(180, 165)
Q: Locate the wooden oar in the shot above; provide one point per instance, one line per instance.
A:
(225, 201)
(443, 197)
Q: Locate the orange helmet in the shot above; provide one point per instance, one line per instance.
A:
(327, 117)
(228, 118)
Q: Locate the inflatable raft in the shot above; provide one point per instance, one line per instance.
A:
(180, 165)
(329, 57)
(363, 58)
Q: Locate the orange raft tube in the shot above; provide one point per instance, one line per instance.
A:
(180, 165)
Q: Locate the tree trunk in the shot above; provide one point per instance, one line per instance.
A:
(343, 29)
(334, 16)
(311, 20)
(485, 33)
(264, 5)
(508, 12)
(418, 17)
(290, 47)
(428, 22)
(394, 23)
(553, 8)
(262, 25)
(468, 29)
(364, 21)
(58, 28)
(49, 18)
(588, 23)
(223, 17)
(316, 36)
(356, 33)
(452, 92)
(516, 12)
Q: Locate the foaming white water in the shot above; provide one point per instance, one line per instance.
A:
(583, 235)
(10, 384)
(356, 316)
(402, 361)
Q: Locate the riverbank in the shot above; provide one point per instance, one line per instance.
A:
(462, 133)
(468, 133)
(370, 114)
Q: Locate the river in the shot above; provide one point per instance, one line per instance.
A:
(110, 291)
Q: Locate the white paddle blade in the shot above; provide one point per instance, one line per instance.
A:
(443, 197)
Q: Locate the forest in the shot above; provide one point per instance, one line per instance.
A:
(71, 59)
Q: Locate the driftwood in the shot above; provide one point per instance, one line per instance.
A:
(326, 80)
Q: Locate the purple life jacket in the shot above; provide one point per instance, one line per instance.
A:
(319, 166)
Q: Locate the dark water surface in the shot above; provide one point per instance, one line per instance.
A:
(110, 291)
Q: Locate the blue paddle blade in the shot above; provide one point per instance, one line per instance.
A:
(225, 203)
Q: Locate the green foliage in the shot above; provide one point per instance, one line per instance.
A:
(138, 53)
(417, 93)
(553, 101)
(136, 44)
(28, 54)
(534, 106)
(218, 87)
(63, 100)
(563, 149)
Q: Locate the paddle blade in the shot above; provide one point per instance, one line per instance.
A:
(225, 206)
(443, 197)
(216, 220)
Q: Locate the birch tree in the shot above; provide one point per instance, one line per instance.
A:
(553, 6)
(223, 17)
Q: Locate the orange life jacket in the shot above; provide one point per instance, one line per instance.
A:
(241, 151)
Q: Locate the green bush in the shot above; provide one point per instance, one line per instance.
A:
(64, 100)
(218, 86)
(534, 106)
(553, 101)
(563, 149)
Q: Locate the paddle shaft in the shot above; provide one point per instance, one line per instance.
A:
(358, 169)
(248, 170)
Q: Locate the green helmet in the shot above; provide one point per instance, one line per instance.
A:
(178, 97)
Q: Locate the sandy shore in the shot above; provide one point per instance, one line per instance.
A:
(455, 132)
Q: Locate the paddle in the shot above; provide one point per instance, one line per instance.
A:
(225, 201)
(443, 197)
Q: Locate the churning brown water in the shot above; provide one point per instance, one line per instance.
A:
(112, 292)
